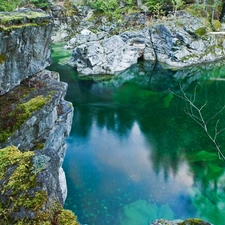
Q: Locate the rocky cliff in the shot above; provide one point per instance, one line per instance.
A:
(179, 42)
(34, 122)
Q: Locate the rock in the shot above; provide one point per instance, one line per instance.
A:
(179, 42)
(108, 56)
(84, 37)
(140, 39)
(178, 222)
(43, 134)
(22, 54)
(34, 122)
(186, 41)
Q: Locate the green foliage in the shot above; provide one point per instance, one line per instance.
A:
(12, 117)
(155, 7)
(104, 6)
(9, 5)
(39, 3)
(177, 4)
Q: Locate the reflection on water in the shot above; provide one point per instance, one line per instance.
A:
(134, 156)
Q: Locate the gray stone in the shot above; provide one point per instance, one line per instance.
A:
(22, 53)
(109, 56)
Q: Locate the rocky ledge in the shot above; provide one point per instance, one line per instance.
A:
(34, 122)
(25, 46)
(179, 42)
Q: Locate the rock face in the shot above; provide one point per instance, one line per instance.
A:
(108, 56)
(25, 46)
(178, 42)
(34, 122)
(186, 41)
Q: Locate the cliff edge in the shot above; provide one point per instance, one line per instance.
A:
(34, 122)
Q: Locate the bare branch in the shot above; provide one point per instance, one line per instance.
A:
(216, 114)
(195, 113)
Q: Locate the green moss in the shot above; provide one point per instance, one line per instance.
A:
(187, 57)
(201, 31)
(17, 20)
(38, 146)
(12, 117)
(19, 189)
(2, 58)
(216, 25)
(18, 179)
(66, 217)
(193, 221)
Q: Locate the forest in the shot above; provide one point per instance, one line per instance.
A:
(213, 9)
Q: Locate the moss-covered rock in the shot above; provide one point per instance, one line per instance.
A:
(22, 200)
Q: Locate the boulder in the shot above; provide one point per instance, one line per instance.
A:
(84, 37)
(185, 41)
(109, 56)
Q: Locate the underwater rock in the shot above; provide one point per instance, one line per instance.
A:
(190, 221)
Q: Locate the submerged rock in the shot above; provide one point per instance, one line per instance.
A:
(178, 222)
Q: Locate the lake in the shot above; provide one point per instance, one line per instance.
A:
(134, 154)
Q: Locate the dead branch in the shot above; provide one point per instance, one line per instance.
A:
(195, 113)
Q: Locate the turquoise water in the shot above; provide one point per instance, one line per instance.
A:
(134, 155)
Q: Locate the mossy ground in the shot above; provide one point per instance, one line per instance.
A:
(18, 19)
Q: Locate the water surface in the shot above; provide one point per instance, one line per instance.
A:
(134, 155)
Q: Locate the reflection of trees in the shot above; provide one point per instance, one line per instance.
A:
(133, 101)
(161, 120)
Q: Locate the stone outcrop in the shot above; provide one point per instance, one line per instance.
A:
(185, 41)
(178, 42)
(25, 46)
(34, 122)
(108, 56)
